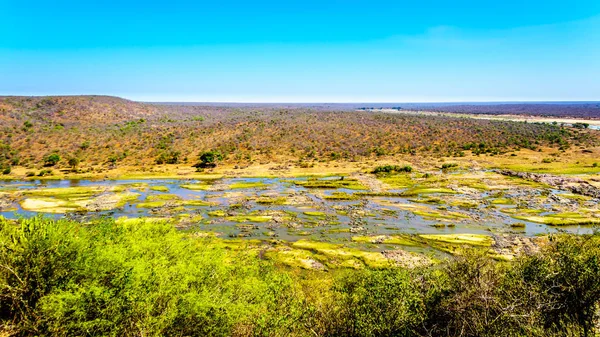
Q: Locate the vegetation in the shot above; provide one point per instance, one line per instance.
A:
(107, 130)
(392, 169)
(64, 278)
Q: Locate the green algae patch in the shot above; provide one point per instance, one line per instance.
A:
(427, 190)
(403, 240)
(315, 214)
(196, 187)
(158, 197)
(68, 192)
(249, 218)
(247, 184)
(468, 239)
(194, 203)
(151, 204)
(121, 199)
(430, 200)
(217, 213)
(351, 184)
(51, 205)
(342, 256)
(431, 214)
(397, 181)
(501, 201)
(297, 258)
(559, 219)
(522, 211)
(75, 199)
(464, 204)
(138, 221)
(160, 188)
(340, 196)
(272, 200)
(572, 196)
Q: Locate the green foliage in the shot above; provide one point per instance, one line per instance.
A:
(51, 159)
(74, 162)
(63, 278)
(392, 169)
(208, 159)
(551, 293)
(446, 166)
(45, 172)
(168, 157)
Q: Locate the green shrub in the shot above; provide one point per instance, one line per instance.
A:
(446, 166)
(168, 157)
(51, 159)
(392, 169)
(208, 159)
(62, 278)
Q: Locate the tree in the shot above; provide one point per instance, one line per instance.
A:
(51, 159)
(208, 159)
(74, 162)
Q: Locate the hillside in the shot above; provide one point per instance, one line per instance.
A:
(101, 131)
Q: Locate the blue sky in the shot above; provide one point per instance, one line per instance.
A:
(303, 51)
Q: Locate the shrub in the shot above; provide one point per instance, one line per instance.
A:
(208, 159)
(168, 157)
(392, 169)
(446, 166)
(74, 162)
(45, 172)
(68, 279)
(51, 159)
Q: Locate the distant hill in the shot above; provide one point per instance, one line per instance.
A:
(68, 109)
(103, 131)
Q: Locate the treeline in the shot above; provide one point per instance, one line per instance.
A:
(64, 278)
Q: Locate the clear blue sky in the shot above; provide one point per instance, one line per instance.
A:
(303, 51)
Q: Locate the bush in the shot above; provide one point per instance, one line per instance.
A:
(446, 166)
(208, 159)
(392, 169)
(51, 159)
(168, 157)
(61, 278)
(45, 172)
(64, 278)
(74, 162)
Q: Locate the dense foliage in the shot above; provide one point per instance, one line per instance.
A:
(64, 278)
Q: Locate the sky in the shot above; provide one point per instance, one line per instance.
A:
(303, 51)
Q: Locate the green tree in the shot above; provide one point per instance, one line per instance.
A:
(51, 159)
(74, 162)
(208, 159)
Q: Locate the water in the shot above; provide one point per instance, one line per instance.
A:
(337, 220)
